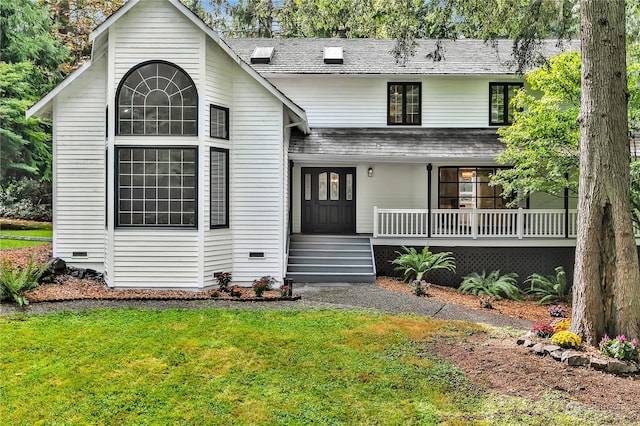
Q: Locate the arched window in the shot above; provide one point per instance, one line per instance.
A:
(157, 98)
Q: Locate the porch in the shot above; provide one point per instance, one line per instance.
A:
(471, 223)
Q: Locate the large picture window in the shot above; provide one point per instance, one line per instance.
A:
(219, 188)
(500, 108)
(468, 187)
(157, 98)
(156, 187)
(404, 103)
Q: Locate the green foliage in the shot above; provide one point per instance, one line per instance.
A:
(27, 199)
(14, 281)
(619, 348)
(494, 284)
(550, 288)
(635, 193)
(542, 143)
(566, 339)
(416, 266)
(523, 21)
(25, 144)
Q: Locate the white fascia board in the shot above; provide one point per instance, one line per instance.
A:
(216, 38)
(297, 110)
(40, 107)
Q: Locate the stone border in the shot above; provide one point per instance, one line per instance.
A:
(161, 298)
(573, 358)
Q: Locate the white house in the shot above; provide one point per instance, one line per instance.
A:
(178, 155)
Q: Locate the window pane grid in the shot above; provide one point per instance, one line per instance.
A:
(404, 103)
(469, 187)
(219, 122)
(219, 209)
(157, 186)
(157, 99)
(500, 107)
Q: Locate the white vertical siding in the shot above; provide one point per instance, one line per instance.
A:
(256, 181)
(155, 30)
(79, 115)
(350, 101)
(218, 243)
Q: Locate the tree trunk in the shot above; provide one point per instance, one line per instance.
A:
(606, 290)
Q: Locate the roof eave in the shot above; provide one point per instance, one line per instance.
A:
(43, 106)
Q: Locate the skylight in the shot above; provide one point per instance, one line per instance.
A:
(333, 55)
(262, 55)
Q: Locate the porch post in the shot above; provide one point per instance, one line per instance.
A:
(566, 209)
(429, 170)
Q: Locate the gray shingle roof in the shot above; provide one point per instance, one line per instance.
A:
(372, 56)
(396, 144)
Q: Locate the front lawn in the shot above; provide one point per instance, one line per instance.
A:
(13, 228)
(241, 367)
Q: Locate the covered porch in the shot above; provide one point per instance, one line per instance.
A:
(474, 223)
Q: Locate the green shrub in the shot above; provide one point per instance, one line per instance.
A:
(494, 284)
(416, 266)
(552, 288)
(14, 281)
(26, 199)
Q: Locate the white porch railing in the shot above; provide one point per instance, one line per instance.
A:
(474, 223)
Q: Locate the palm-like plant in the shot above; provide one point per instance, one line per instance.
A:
(552, 288)
(494, 284)
(416, 265)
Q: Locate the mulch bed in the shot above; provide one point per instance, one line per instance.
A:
(67, 288)
(527, 309)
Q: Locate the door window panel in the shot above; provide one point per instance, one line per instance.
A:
(335, 187)
(322, 186)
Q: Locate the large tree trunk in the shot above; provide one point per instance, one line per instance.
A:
(606, 290)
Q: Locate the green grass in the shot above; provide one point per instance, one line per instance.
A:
(240, 367)
(28, 233)
(11, 244)
(39, 229)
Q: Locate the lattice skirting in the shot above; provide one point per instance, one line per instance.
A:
(521, 260)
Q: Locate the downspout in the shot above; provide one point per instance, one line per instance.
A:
(429, 170)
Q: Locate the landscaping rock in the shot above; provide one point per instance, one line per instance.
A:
(557, 355)
(619, 367)
(598, 364)
(538, 349)
(551, 348)
(574, 359)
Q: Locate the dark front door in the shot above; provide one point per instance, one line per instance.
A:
(329, 200)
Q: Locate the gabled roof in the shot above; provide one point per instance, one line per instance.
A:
(292, 106)
(372, 56)
(397, 145)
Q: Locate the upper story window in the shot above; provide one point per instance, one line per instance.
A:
(219, 122)
(404, 102)
(157, 98)
(500, 108)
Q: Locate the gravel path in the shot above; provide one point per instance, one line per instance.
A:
(314, 296)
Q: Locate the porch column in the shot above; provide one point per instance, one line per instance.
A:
(429, 170)
(566, 208)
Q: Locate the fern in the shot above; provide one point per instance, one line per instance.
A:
(15, 281)
(494, 284)
(551, 288)
(416, 266)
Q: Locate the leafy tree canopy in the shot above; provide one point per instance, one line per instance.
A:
(543, 141)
